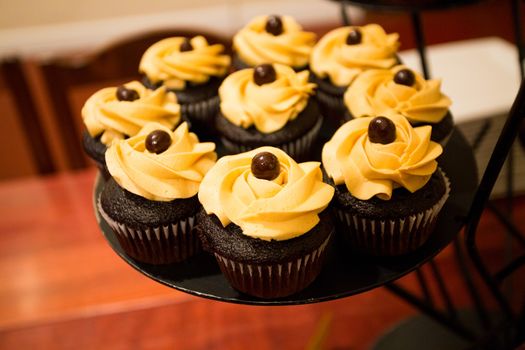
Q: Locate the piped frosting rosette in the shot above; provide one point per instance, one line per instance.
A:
(280, 209)
(105, 115)
(372, 171)
(165, 62)
(332, 57)
(267, 107)
(254, 45)
(172, 174)
(374, 92)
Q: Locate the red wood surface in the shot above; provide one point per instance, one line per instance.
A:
(54, 262)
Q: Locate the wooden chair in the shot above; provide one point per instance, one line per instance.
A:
(13, 74)
(114, 64)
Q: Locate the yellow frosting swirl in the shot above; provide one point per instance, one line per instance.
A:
(105, 115)
(280, 209)
(173, 174)
(163, 61)
(256, 46)
(269, 106)
(373, 92)
(341, 62)
(373, 169)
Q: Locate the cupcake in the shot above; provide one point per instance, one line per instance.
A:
(272, 39)
(268, 105)
(116, 113)
(341, 55)
(151, 200)
(406, 92)
(388, 187)
(191, 68)
(264, 220)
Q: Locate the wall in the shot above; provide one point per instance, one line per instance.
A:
(43, 31)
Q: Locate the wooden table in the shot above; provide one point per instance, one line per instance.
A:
(55, 263)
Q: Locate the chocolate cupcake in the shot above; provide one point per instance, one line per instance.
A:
(272, 39)
(341, 55)
(389, 189)
(116, 113)
(406, 92)
(264, 220)
(151, 201)
(268, 105)
(194, 70)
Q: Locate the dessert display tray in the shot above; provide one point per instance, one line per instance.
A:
(344, 273)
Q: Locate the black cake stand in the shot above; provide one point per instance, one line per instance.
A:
(344, 274)
(408, 5)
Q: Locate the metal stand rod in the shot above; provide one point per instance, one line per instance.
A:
(424, 286)
(469, 283)
(508, 223)
(510, 268)
(443, 291)
(522, 134)
(441, 318)
(516, 16)
(510, 184)
(344, 14)
(520, 44)
(503, 146)
(481, 134)
(420, 42)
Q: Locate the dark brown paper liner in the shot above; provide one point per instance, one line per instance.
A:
(443, 142)
(157, 245)
(390, 237)
(103, 171)
(332, 106)
(296, 149)
(201, 114)
(274, 280)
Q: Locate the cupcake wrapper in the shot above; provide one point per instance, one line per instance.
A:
(157, 245)
(202, 112)
(274, 280)
(238, 64)
(331, 106)
(390, 237)
(444, 141)
(296, 149)
(103, 171)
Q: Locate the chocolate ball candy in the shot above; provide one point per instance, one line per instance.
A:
(381, 130)
(265, 165)
(125, 94)
(274, 25)
(354, 37)
(186, 45)
(158, 141)
(264, 74)
(405, 77)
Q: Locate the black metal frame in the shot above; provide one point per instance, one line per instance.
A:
(509, 331)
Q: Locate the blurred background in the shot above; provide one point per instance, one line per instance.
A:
(61, 285)
(34, 36)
